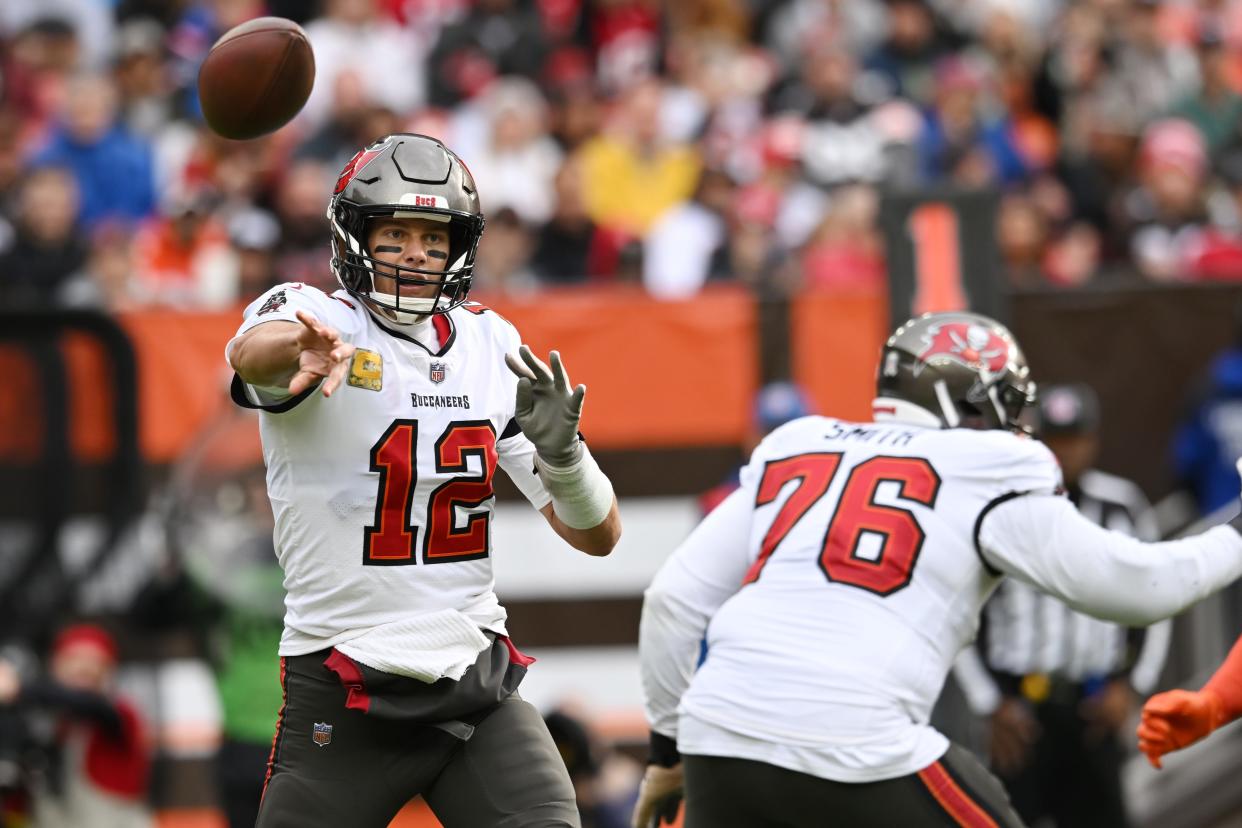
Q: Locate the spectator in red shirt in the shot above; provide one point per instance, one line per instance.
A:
(1169, 209)
(100, 770)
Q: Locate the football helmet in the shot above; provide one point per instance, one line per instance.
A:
(961, 369)
(405, 176)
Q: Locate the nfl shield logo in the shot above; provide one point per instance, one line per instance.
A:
(437, 372)
(322, 735)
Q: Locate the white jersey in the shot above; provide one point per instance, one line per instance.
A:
(838, 584)
(382, 493)
(1030, 632)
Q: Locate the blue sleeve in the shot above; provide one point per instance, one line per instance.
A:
(144, 197)
(930, 147)
(1192, 444)
(1009, 164)
(51, 154)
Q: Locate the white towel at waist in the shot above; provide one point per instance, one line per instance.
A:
(425, 647)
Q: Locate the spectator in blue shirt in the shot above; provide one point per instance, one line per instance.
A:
(1209, 440)
(114, 170)
(960, 142)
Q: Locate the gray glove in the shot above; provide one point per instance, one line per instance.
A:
(547, 410)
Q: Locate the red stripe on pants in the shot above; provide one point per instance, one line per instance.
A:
(955, 801)
(280, 721)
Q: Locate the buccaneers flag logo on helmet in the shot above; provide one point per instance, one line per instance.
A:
(974, 346)
(354, 165)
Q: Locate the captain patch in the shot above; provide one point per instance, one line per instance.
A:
(367, 370)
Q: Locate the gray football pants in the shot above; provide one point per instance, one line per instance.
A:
(507, 774)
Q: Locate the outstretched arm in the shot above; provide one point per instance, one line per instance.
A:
(1044, 541)
(293, 355)
(704, 572)
(1178, 718)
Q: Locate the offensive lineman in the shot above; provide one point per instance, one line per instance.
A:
(399, 678)
(837, 585)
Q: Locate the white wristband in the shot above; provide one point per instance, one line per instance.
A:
(581, 493)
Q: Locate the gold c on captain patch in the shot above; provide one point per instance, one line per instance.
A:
(367, 370)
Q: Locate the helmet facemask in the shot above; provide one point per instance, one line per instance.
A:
(998, 403)
(358, 267)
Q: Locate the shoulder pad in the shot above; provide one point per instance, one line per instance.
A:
(1010, 461)
(779, 439)
(284, 300)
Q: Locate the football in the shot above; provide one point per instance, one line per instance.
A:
(256, 77)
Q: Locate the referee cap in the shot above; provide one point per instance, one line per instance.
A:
(1072, 408)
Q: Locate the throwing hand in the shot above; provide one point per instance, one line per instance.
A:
(322, 355)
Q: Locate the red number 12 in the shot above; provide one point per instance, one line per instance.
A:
(392, 539)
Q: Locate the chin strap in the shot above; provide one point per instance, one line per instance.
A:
(386, 316)
(409, 306)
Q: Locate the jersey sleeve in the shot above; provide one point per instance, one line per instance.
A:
(703, 573)
(281, 304)
(1045, 542)
(1003, 466)
(1137, 519)
(515, 451)
(516, 454)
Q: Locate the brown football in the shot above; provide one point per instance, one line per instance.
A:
(256, 77)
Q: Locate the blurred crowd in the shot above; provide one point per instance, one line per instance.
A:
(667, 144)
(660, 144)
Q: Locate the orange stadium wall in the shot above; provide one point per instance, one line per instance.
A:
(671, 375)
(835, 339)
(659, 373)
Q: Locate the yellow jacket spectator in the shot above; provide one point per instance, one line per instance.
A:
(630, 176)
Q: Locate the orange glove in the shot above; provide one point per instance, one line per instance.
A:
(1178, 718)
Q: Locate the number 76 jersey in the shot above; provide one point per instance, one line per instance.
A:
(834, 623)
(382, 493)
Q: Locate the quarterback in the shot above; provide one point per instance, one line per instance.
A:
(837, 585)
(386, 408)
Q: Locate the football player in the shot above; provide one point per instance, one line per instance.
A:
(1178, 718)
(837, 585)
(386, 408)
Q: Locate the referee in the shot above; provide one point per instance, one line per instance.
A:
(1057, 685)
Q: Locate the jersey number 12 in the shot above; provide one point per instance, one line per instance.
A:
(392, 540)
